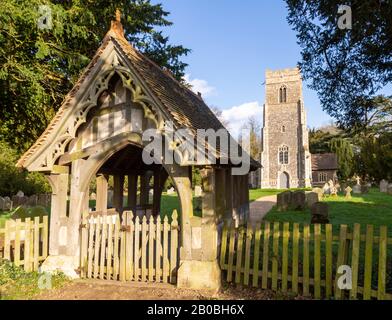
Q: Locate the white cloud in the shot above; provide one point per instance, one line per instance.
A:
(237, 116)
(199, 85)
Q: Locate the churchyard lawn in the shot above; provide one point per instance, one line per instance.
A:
(373, 208)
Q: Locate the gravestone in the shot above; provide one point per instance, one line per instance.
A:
(319, 192)
(338, 187)
(390, 189)
(384, 186)
(198, 191)
(20, 194)
(298, 200)
(357, 189)
(284, 200)
(44, 200)
(93, 196)
(334, 191)
(32, 201)
(365, 189)
(326, 189)
(171, 191)
(320, 213)
(7, 204)
(348, 191)
(311, 199)
(2, 204)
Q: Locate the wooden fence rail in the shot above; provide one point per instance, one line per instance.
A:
(132, 250)
(305, 259)
(25, 242)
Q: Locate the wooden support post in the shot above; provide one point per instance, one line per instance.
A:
(229, 195)
(78, 205)
(59, 183)
(220, 192)
(102, 193)
(132, 192)
(145, 188)
(118, 192)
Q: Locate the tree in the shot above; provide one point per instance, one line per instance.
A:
(347, 67)
(39, 66)
(345, 153)
(253, 147)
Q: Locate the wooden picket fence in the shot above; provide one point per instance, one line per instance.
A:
(132, 250)
(305, 259)
(25, 242)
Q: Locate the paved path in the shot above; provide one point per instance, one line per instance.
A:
(260, 207)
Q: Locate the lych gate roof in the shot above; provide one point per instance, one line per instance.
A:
(186, 109)
(324, 161)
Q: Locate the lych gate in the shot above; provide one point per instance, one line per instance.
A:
(97, 132)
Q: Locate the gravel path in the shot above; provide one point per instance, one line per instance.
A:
(260, 208)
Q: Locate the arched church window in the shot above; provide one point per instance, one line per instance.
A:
(283, 94)
(284, 155)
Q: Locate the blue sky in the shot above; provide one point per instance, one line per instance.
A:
(233, 42)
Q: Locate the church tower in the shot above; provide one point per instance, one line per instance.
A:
(285, 157)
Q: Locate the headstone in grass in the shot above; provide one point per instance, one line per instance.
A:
(298, 200)
(93, 196)
(7, 204)
(44, 200)
(334, 191)
(20, 194)
(311, 199)
(357, 189)
(284, 200)
(390, 189)
(2, 203)
(364, 188)
(319, 192)
(384, 186)
(320, 213)
(33, 200)
(326, 189)
(348, 191)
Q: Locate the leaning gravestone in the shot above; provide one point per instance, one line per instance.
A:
(320, 213)
(384, 186)
(284, 200)
(319, 192)
(348, 191)
(298, 200)
(311, 199)
(198, 191)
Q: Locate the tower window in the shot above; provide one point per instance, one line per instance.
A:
(283, 129)
(284, 155)
(283, 94)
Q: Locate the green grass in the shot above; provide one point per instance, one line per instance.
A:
(17, 284)
(373, 208)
